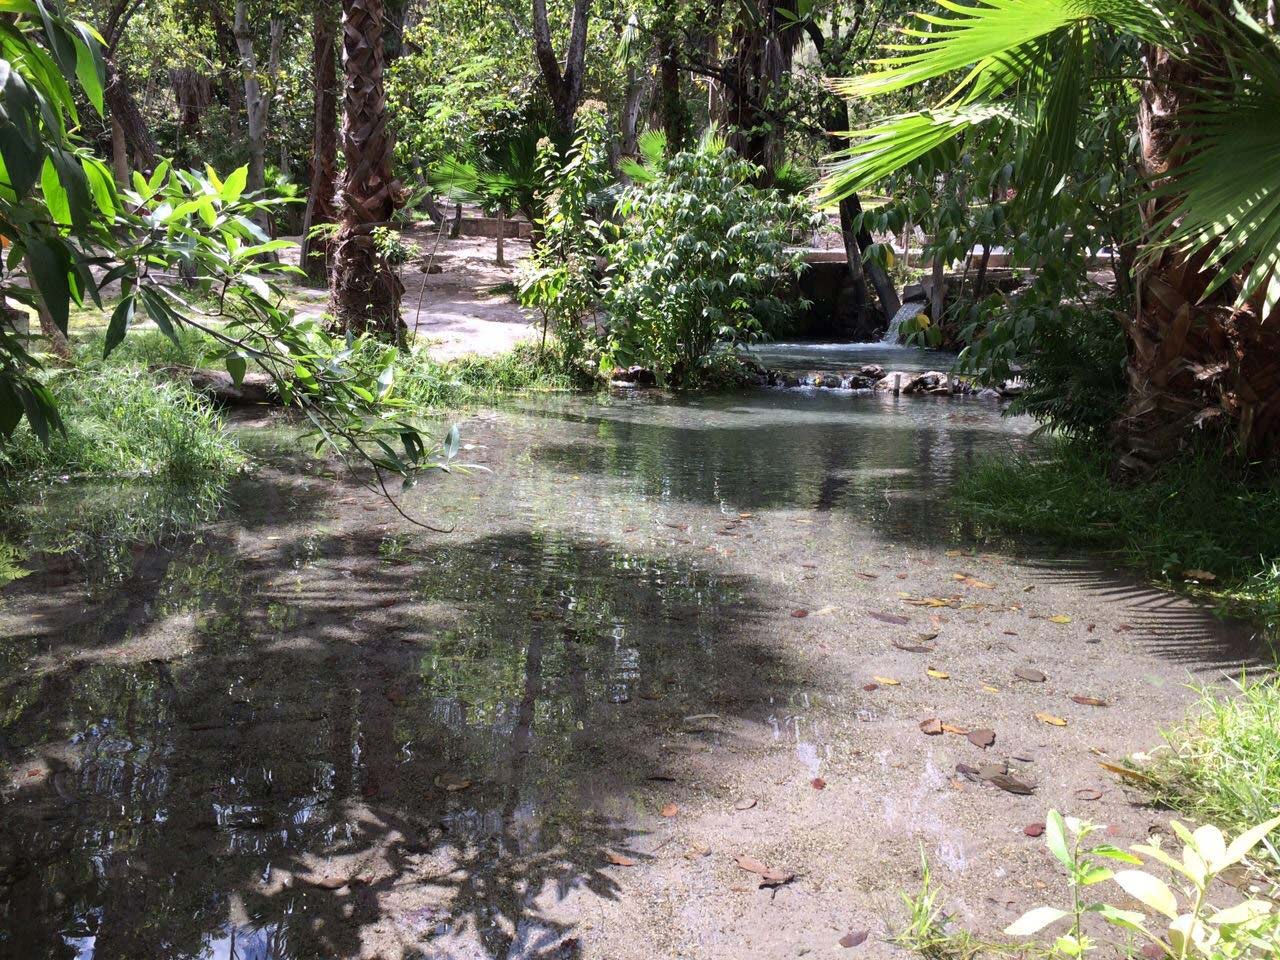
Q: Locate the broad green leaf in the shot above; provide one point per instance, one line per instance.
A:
(1055, 836)
(1242, 844)
(1148, 890)
(234, 185)
(236, 366)
(49, 266)
(1035, 920)
(1242, 912)
(121, 319)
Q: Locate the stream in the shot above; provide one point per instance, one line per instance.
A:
(301, 727)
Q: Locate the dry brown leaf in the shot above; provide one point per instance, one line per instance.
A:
(952, 728)
(854, 937)
(931, 727)
(670, 810)
(452, 782)
(328, 882)
(618, 860)
(888, 617)
(799, 614)
(887, 681)
(1202, 575)
(1050, 719)
(983, 737)
(1090, 701)
(938, 674)
(771, 875)
(818, 783)
(1030, 674)
(746, 803)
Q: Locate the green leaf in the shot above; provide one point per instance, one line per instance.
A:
(121, 319)
(236, 366)
(1035, 920)
(1148, 890)
(1055, 837)
(1242, 844)
(234, 185)
(50, 266)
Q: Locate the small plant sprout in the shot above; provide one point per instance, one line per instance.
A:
(1192, 925)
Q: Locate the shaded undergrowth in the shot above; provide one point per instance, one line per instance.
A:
(1205, 524)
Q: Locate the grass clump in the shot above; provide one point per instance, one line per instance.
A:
(1202, 522)
(123, 422)
(1223, 763)
(930, 933)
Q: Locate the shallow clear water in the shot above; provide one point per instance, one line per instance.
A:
(258, 738)
(848, 356)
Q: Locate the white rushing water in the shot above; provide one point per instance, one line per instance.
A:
(905, 313)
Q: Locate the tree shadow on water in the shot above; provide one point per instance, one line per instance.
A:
(359, 746)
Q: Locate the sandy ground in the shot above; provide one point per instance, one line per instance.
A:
(456, 310)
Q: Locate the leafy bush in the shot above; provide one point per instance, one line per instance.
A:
(562, 281)
(124, 423)
(699, 262)
(1189, 925)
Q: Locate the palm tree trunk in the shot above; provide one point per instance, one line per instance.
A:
(1192, 362)
(365, 290)
(324, 144)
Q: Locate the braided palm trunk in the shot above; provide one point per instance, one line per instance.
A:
(1192, 362)
(365, 290)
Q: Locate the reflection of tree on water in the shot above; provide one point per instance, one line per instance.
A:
(181, 792)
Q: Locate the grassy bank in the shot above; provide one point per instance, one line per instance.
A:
(1201, 525)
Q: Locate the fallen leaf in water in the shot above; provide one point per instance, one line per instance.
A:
(990, 689)
(697, 849)
(931, 727)
(971, 581)
(982, 737)
(887, 681)
(901, 576)
(1127, 772)
(955, 553)
(854, 937)
(1087, 793)
(1090, 701)
(771, 875)
(952, 728)
(930, 601)
(618, 860)
(798, 614)
(968, 772)
(866, 576)
(1060, 618)
(745, 516)
(746, 803)
(938, 674)
(1030, 674)
(1033, 829)
(1050, 719)
(1202, 575)
(328, 882)
(1011, 784)
(825, 611)
(870, 686)
(452, 782)
(914, 647)
(818, 783)
(670, 810)
(888, 617)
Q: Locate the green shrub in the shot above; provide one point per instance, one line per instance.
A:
(123, 422)
(699, 262)
(1223, 763)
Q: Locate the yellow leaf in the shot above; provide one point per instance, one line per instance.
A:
(1060, 618)
(1050, 719)
(938, 674)
(887, 681)
(990, 689)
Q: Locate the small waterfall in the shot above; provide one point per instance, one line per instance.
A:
(905, 313)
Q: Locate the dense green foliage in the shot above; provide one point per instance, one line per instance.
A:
(1199, 516)
(699, 263)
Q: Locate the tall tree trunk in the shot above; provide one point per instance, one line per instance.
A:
(255, 104)
(629, 121)
(321, 208)
(124, 110)
(563, 85)
(671, 106)
(1192, 361)
(119, 152)
(57, 339)
(366, 291)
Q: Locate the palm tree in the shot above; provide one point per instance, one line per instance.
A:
(365, 289)
(1200, 348)
(321, 210)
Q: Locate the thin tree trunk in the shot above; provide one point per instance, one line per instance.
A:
(563, 85)
(853, 254)
(502, 234)
(366, 291)
(254, 102)
(52, 333)
(119, 152)
(938, 291)
(321, 208)
(124, 109)
(629, 123)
